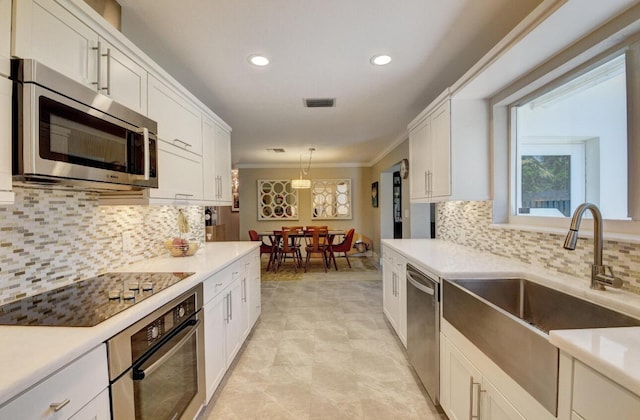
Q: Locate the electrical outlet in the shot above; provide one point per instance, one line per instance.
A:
(127, 242)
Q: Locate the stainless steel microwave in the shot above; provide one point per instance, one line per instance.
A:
(66, 133)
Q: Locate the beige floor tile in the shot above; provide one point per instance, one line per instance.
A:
(322, 350)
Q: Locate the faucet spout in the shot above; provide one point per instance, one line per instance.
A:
(599, 275)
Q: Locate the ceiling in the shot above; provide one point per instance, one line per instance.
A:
(318, 49)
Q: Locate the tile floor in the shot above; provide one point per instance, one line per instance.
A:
(322, 350)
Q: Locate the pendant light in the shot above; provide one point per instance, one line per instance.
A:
(302, 183)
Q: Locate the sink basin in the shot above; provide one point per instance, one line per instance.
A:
(509, 321)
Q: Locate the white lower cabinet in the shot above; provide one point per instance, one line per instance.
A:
(465, 393)
(394, 291)
(253, 283)
(227, 318)
(595, 396)
(76, 391)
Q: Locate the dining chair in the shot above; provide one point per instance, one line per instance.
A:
(344, 247)
(264, 247)
(286, 246)
(317, 241)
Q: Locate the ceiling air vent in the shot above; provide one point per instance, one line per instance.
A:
(276, 150)
(319, 102)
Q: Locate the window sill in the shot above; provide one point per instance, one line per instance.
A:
(585, 232)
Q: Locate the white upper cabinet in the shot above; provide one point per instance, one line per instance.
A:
(47, 32)
(216, 166)
(449, 151)
(122, 79)
(178, 119)
(6, 196)
(5, 36)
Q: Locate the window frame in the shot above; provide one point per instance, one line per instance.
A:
(503, 114)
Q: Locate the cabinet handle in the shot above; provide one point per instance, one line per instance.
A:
(430, 177)
(426, 183)
(108, 55)
(244, 289)
(60, 405)
(183, 142)
(226, 304)
(98, 50)
(474, 386)
(231, 305)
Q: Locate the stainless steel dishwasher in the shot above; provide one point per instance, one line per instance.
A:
(423, 329)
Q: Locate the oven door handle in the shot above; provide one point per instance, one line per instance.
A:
(140, 374)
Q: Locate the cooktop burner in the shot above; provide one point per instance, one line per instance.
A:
(88, 302)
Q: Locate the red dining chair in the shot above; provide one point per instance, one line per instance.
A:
(344, 247)
(264, 248)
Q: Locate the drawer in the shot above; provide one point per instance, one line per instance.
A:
(598, 397)
(79, 382)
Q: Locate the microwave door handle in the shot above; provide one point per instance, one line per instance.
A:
(147, 159)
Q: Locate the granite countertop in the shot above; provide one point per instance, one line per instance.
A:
(614, 352)
(30, 354)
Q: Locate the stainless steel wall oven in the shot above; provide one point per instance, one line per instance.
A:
(156, 366)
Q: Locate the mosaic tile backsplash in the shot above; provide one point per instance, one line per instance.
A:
(468, 223)
(50, 238)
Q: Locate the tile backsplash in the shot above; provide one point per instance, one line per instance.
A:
(50, 238)
(468, 223)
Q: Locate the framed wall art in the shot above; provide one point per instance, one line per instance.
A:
(277, 200)
(331, 199)
(374, 194)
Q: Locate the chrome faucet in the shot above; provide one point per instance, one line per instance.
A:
(599, 276)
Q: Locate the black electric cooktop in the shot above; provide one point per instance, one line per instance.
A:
(88, 302)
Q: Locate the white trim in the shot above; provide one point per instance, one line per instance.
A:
(297, 165)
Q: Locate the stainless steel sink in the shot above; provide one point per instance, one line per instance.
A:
(509, 321)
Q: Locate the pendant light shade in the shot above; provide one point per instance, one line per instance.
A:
(303, 183)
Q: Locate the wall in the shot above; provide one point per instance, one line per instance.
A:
(360, 198)
(50, 238)
(468, 223)
(389, 160)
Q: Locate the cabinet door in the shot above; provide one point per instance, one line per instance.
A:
(389, 289)
(179, 174)
(79, 382)
(6, 196)
(234, 331)
(223, 165)
(255, 306)
(440, 151)
(46, 31)
(495, 406)
(460, 384)
(400, 264)
(209, 180)
(97, 409)
(419, 159)
(179, 121)
(215, 324)
(122, 78)
(5, 37)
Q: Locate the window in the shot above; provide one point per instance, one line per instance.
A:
(571, 145)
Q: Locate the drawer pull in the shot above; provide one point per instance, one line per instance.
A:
(59, 406)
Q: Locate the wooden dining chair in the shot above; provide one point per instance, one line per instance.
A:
(317, 241)
(344, 247)
(288, 246)
(265, 248)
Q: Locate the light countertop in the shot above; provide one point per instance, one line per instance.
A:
(614, 352)
(30, 354)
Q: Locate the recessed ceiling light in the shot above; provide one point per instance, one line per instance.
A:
(380, 60)
(258, 60)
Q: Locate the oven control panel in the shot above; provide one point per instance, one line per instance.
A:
(152, 333)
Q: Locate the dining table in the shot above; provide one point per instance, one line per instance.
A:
(275, 235)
